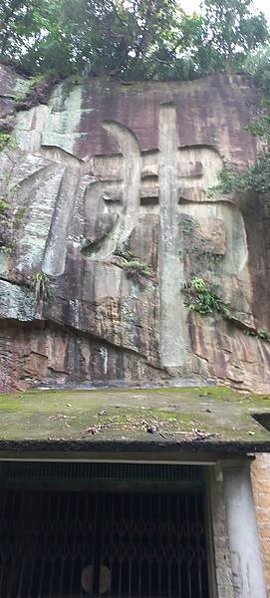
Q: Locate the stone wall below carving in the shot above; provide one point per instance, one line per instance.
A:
(260, 475)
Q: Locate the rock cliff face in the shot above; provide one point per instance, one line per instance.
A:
(105, 216)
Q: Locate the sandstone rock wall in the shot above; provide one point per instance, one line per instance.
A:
(106, 215)
(260, 473)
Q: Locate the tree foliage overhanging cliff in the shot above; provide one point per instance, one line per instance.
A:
(130, 39)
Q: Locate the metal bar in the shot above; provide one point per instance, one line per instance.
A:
(73, 551)
(44, 540)
(179, 560)
(159, 517)
(111, 560)
(97, 554)
(150, 499)
(139, 556)
(198, 547)
(53, 560)
(168, 505)
(120, 558)
(130, 568)
(4, 523)
(16, 546)
(188, 544)
(66, 523)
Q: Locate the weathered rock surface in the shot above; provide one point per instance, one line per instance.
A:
(107, 215)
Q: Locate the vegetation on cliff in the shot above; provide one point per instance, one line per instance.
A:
(200, 297)
(255, 178)
(129, 39)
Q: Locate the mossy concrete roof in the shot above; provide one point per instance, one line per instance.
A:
(184, 419)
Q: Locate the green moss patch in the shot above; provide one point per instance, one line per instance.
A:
(207, 413)
(4, 139)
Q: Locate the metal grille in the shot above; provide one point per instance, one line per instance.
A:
(46, 471)
(71, 544)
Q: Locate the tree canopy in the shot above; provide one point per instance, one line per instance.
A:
(129, 39)
(232, 30)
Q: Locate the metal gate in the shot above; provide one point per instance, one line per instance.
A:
(67, 544)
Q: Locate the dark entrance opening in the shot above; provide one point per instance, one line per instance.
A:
(66, 543)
